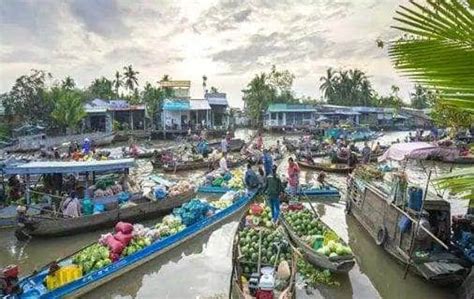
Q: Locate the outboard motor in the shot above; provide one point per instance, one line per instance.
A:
(9, 281)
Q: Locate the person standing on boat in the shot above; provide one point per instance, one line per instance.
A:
(224, 145)
(273, 190)
(86, 146)
(71, 206)
(293, 176)
(366, 153)
(259, 142)
(223, 164)
(251, 180)
(267, 162)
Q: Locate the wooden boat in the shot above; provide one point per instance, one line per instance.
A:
(235, 145)
(327, 167)
(33, 286)
(8, 214)
(339, 264)
(239, 289)
(329, 193)
(144, 209)
(192, 165)
(372, 207)
(36, 142)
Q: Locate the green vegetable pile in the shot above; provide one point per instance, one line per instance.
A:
(137, 243)
(248, 244)
(168, 227)
(264, 219)
(304, 223)
(333, 249)
(92, 258)
(315, 277)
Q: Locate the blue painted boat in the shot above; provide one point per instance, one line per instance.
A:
(213, 189)
(33, 286)
(325, 193)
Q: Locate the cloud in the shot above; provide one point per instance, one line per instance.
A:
(101, 17)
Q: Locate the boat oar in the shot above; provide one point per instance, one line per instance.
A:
(311, 205)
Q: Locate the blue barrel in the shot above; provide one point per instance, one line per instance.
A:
(87, 206)
(415, 198)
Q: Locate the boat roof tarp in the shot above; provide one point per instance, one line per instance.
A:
(417, 151)
(48, 167)
(176, 105)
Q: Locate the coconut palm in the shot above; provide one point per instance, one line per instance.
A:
(68, 83)
(117, 82)
(130, 77)
(204, 83)
(437, 51)
(327, 87)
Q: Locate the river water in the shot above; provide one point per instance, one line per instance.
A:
(201, 267)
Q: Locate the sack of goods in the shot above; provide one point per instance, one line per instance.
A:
(192, 211)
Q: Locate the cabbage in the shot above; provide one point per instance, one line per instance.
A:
(332, 254)
(340, 249)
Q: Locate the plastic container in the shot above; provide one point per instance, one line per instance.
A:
(318, 242)
(63, 276)
(404, 224)
(99, 208)
(267, 271)
(415, 198)
(123, 197)
(87, 206)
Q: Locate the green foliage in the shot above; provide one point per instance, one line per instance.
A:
(68, 83)
(117, 83)
(263, 89)
(347, 88)
(392, 100)
(68, 108)
(422, 98)
(27, 101)
(152, 98)
(315, 277)
(100, 88)
(436, 50)
(449, 116)
(130, 77)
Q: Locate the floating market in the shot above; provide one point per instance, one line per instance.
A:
(232, 174)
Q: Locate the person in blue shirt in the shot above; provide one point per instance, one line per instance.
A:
(251, 179)
(267, 162)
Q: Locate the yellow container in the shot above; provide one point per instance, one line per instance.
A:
(63, 276)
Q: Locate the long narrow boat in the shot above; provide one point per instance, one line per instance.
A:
(240, 287)
(144, 209)
(327, 167)
(33, 286)
(329, 193)
(197, 165)
(235, 145)
(338, 264)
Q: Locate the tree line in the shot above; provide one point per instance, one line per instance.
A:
(37, 98)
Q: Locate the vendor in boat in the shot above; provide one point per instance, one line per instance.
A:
(223, 163)
(86, 146)
(251, 180)
(352, 160)
(259, 142)
(71, 206)
(274, 189)
(366, 152)
(267, 162)
(293, 176)
(224, 145)
(321, 179)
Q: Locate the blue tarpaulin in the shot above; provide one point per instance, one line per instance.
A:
(176, 105)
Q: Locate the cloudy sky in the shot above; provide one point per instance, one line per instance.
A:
(229, 41)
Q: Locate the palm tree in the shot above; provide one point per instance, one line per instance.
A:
(366, 93)
(327, 87)
(130, 77)
(68, 83)
(68, 109)
(204, 83)
(166, 78)
(436, 51)
(117, 82)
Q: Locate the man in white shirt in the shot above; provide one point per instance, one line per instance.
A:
(223, 163)
(224, 145)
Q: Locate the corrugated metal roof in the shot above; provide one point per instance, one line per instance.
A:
(282, 107)
(199, 104)
(176, 105)
(217, 101)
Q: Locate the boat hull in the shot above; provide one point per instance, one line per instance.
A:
(142, 211)
(95, 279)
(339, 168)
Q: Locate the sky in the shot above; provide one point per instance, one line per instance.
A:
(228, 41)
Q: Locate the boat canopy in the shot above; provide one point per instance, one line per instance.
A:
(418, 151)
(48, 167)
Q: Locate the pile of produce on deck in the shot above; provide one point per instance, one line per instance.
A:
(105, 187)
(315, 234)
(128, 239)
(259, 215)
(233, 179)
(181, 187)
(275, 253)
(368, 172)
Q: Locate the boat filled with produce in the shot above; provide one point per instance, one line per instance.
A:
(320, 245)
(128, 246)
(264, 265)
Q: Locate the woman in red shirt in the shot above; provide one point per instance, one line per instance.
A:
(293, 176)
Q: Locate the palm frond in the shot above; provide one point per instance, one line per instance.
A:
(459, 181)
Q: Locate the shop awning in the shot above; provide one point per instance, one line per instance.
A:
(176, 105)
(197, 104)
